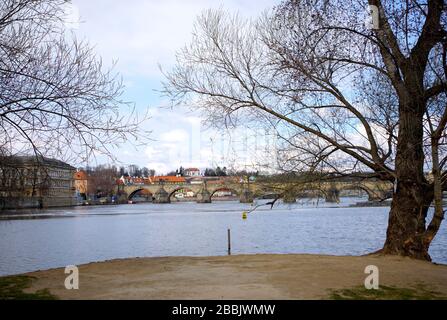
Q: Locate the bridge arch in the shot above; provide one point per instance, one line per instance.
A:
(267, 195)
(356, 187)
(232, 190)
(147, 192)
(312, 192)
(182, 188)
(372, 194)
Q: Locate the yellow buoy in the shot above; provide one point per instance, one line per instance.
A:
(244, 215)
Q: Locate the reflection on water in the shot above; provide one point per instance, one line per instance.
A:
(60, 237)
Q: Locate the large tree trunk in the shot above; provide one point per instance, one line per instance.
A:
(412, 195)
(406, 224)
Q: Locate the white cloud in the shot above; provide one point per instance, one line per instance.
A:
(141, 34)
(176, 135)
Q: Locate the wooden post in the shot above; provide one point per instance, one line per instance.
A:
(229, 242)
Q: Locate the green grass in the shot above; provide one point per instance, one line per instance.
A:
(12, 288)
(418, 292)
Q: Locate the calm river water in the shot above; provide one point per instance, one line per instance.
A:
(61, 237)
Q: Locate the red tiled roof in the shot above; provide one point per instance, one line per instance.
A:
(171, 179)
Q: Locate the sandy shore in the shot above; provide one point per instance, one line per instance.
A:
(237, 277)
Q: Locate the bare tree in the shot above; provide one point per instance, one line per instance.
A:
(343, 97)
(102, 181)
(56, 99)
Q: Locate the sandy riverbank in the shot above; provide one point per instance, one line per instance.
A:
(237, 277)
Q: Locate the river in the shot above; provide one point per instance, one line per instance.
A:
(31, 241)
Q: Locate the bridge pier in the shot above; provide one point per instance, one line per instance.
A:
(204, 196)
(122, 198)
(289, 198)
(161, 196)
(246, 196)
(332, 195)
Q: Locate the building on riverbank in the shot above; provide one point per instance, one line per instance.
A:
(81, 184)
(35, 182)
(192, 172)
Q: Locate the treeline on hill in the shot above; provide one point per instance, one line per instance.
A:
(130, 171)
(216, 172)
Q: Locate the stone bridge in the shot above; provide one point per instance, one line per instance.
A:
(289, 192)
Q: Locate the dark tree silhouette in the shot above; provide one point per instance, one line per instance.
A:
(56, 99)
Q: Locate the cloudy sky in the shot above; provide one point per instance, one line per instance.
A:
(140, 35)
